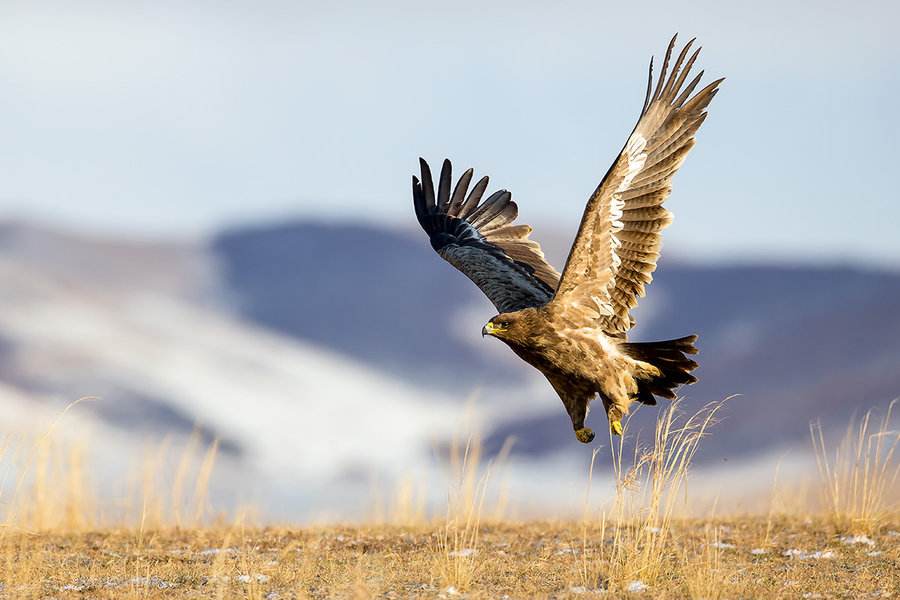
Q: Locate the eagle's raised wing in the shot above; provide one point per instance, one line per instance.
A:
(619, 239)
(480, 239)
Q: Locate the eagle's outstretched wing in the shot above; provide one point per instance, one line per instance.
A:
(618, 241)
(480, 239)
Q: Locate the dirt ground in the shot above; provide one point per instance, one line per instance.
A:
(732, 558)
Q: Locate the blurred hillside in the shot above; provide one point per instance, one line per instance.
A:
(320, 354)
(796, 342)
(142, 328)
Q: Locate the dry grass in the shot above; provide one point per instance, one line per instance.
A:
(519, 560)
(457, 541)
(58, 540)
(860, 477)
(647, 497)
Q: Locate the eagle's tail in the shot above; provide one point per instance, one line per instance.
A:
(669, 357)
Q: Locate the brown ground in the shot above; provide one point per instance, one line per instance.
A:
(696, 559)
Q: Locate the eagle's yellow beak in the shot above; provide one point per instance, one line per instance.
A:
(491, 329)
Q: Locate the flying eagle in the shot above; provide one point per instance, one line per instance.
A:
(573, 328)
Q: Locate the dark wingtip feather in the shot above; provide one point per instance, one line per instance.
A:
(665, 68)
(474, 196)
(682, 98)
(419, 202)
(443, 197)
(649, 87)
(459, 192)
(671, 87)
(427, 184)
(702, 98)
(684, 74)
(490, 208)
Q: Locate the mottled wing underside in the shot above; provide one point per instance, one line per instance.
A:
(618, 241)
(481, 240)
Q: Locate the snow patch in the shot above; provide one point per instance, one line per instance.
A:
(850, 540)
(803, 555)
(217, 551)
(636, 587)
(578, 589)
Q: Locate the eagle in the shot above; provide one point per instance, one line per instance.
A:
(574, 327)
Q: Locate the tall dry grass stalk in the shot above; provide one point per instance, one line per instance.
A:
(51, 496)
(52, 490)
(409, 504)
(703, 572)
(457, 540)
(859, 478)
(405, 503)
(636, 530)
(49, 490)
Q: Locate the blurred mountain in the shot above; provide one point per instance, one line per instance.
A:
(318, 354)
(797, 343)
(139, 330)
(377, 295)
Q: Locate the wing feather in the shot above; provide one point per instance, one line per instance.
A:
(474, 197)
(459, 192)
(489, 209)
(480, 239)
(618, 241)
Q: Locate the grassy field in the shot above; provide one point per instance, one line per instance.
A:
(732, 558)
(636, 543)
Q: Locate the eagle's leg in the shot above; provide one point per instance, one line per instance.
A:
(585, 435)
(614, 413)
(575, 395)
(577, 409)
(615, 421)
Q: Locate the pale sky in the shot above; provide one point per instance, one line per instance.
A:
(175, 118)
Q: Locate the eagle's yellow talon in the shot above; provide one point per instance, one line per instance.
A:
(616, 426)
(585, 435)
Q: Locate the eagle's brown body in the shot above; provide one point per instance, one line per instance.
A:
(582, 363)
(578, 365)
(573, 327)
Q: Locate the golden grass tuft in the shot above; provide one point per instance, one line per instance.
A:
(635, 546)
(457, 541)
(859, 477)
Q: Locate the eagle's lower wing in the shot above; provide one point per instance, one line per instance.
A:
(618, 241)
(480, 239)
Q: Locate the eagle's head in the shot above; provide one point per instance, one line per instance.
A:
(512, 327)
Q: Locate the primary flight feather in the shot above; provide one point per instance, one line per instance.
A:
(573, 327)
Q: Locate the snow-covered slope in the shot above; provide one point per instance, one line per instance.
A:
(291, 416)
(330, 359)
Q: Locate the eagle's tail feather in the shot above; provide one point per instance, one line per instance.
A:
(669, 357)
